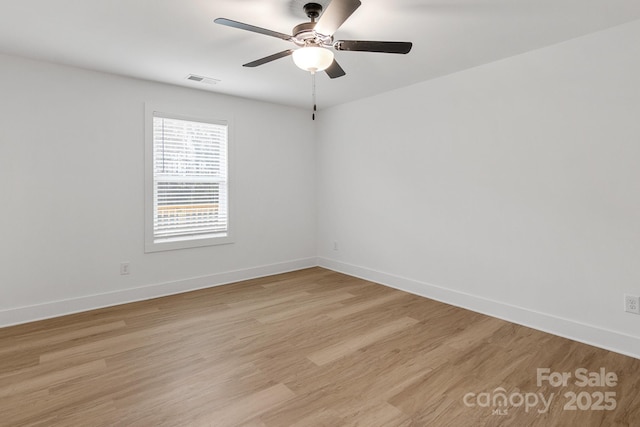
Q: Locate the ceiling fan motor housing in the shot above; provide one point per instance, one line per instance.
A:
(305, 35)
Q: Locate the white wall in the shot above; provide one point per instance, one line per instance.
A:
(72, 177)
(512, 188)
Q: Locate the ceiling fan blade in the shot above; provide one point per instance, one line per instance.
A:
(252, 28)
(335, 70)
(335, 15)
(372, 46)
(269, 58)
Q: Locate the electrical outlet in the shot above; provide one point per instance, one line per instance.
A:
(631, 304)
(124, 268)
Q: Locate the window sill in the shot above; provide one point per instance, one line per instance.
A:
(187, 242)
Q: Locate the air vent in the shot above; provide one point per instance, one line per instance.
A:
(203, 80)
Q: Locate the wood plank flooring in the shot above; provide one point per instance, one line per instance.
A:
(309, 348)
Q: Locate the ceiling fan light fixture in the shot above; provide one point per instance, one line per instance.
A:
(313, 58)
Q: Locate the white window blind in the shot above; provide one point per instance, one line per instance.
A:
(190, 199)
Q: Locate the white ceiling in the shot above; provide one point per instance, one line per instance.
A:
(165, 40)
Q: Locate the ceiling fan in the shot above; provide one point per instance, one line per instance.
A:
(315, 39)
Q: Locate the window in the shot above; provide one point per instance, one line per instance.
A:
(187, 182)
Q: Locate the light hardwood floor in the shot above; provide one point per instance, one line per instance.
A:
(309, 348)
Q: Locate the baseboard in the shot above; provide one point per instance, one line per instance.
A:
(581, 332)
(14, 316)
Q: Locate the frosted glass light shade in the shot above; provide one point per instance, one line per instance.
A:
(313, 58)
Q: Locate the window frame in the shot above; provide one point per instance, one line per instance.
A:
(181, 113)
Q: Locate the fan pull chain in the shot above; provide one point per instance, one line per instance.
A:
(313, 95)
